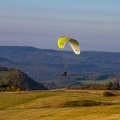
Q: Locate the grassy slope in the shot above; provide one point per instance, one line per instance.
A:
(46, 105)
(2, 74)
(97, 81)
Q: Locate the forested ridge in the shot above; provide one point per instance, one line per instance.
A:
(12, 79)
(46, 65)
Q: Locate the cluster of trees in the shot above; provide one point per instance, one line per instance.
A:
(109, 86)
(3, 68)
(8, 87)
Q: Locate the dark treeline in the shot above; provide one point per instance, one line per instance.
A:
(8, 87)
(109, 86)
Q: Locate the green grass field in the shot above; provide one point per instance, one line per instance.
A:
(96, 81)
(48, 105)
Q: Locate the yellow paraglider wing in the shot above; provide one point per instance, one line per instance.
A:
(62, 42)
(73, 43)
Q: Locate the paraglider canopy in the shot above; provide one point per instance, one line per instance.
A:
(62, 41)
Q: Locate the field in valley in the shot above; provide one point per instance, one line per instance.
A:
(59, 105)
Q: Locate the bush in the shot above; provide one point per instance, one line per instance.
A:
(82, 103)
(106, 93)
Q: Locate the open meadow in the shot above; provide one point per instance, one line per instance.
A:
(59, 105)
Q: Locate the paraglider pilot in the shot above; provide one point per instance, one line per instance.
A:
(64, 73)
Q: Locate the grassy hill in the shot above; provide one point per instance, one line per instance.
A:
(11, 76)
(44, 64)
(51, 105)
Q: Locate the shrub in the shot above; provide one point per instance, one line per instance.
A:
(83, 103)
(106, 93)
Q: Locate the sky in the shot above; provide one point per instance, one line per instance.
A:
(39, 23)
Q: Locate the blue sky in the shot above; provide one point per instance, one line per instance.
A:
(39, 23)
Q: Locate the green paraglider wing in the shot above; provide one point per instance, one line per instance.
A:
(62, 41)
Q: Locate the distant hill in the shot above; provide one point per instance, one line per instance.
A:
(73, 80)
(45, 64)
(11, 76)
